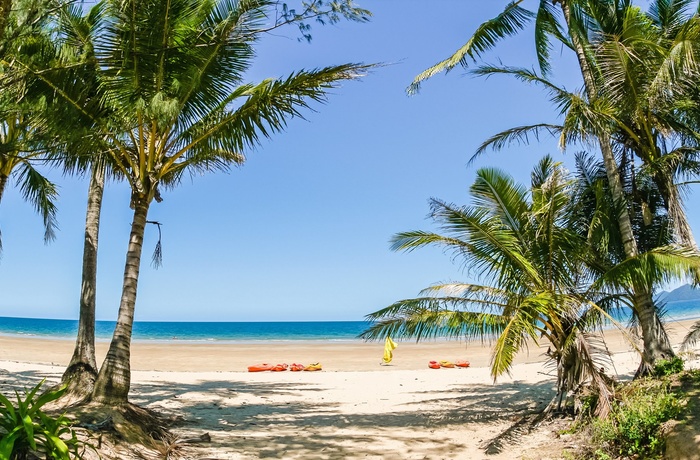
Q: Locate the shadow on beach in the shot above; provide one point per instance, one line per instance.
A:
(307, 419)
(299, 420)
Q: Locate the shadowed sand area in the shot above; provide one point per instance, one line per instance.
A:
(355, 408)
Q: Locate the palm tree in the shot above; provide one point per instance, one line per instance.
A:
(173, 101)
(22, 143)
(660, 261)
(647, 65)
(523, 245)
(72, 149)
(574, 23)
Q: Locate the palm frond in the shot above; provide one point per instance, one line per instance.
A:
(511, 20)
(266, 108)
(692, 337)
(657, 266)
(546, 26)
(587, 357)
(520, 73)
(42, 193)
(669, 15)
(519, 135)
(428, 318)
(523, 324)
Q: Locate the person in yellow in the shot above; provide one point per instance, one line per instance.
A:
(389, 346)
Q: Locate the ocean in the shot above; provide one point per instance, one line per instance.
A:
(163, 331)
(192, 331)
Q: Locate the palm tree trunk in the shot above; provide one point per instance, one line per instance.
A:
(674, 208)
(81, 373)
(114, 379)
(3, 184)
(656, 342)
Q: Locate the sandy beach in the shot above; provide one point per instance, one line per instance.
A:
(354, 408)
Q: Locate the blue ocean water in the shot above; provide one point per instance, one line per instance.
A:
(683, 309)
(193, 331)
(238, 331)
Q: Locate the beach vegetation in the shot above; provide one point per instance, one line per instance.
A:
(666, 367)
(634, 428)
(29, 432)
(634, 102)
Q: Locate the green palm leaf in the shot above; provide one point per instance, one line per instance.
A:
(507, 23)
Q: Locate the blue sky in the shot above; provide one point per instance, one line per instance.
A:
(301, 231)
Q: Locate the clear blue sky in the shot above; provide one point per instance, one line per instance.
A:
(301, 231)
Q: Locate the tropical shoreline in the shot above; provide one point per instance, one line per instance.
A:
(354, 408)
(214, 356)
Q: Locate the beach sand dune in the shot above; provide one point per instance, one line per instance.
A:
(355, 408)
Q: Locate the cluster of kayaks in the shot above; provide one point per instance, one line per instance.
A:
(283, 367)
(448, 364)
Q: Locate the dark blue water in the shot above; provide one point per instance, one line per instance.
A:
(198, 331)
(239, 331)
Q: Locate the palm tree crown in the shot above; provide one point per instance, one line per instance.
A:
(165, 94)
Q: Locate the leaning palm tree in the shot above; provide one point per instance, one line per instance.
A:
(171, 85)
(523, 246)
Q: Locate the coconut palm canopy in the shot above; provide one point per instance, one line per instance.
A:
(160, 87)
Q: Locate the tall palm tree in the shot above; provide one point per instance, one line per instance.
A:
(74, 149)
(647, 66)
(171, 83)
(606, 256)
(573, 23)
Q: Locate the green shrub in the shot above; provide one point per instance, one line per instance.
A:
(665, 367)
(26, 429)
(632, 428)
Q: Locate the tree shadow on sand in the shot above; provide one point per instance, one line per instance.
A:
(301, 428)
(321, 429)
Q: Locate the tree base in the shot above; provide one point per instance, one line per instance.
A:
(124, 432)
(80, 381)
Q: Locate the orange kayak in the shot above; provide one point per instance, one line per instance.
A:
(279, 368)
(461, 363)
(434, 365)
(260, 367)
(296, 367)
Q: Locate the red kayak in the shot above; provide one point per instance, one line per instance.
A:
(260, 367)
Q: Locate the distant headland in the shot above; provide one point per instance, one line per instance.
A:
(682, 293)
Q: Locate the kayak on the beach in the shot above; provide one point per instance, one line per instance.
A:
(448, 364)
(283, 367)
(260, 367)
